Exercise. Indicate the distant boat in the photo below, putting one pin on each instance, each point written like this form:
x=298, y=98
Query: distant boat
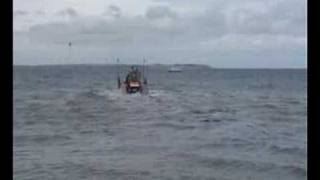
x=175, y=69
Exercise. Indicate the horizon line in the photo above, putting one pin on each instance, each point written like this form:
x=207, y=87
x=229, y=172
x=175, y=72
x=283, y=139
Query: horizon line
x=165, y=64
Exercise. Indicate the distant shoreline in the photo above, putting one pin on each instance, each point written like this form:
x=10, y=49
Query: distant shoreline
x=166, y=65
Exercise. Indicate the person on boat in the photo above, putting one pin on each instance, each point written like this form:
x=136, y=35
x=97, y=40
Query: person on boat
x=133, y=75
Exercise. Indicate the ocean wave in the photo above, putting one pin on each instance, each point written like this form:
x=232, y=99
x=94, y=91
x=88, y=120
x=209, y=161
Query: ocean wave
x=39, y=139
x=241, y=165
x=269, y=86
x=225, y=163
x=187, y=127
x=225, y=110
x=217, y=120
x=173, y=126
x=288, y=150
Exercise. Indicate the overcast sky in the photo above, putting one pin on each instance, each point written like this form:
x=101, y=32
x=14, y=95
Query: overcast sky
x=220, y=33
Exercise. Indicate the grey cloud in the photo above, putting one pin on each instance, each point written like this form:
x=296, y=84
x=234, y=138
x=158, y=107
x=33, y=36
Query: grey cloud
x=53, y=33
x=113, y=11
x=261, y=17
x=216, y=21
x=160, y=12
x=97, y=31
x=275, y=27
x=248, y=21
x=41, y=13
x=208, y=26
x=289, y=17
x=252, y=16
x=20, y=13
x=68, y=12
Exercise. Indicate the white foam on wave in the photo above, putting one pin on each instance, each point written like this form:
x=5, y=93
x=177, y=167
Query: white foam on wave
x=161, y=94
x=116, y=94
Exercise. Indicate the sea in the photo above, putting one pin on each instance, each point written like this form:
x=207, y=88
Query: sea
x=71, y=122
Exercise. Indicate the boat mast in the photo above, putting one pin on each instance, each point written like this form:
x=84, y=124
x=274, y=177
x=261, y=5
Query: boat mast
x=118, y=74
x=144, y=72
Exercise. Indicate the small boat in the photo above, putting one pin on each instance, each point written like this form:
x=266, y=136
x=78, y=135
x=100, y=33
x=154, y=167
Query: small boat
x=133, y=87
x=133, y=82
x=175, y=69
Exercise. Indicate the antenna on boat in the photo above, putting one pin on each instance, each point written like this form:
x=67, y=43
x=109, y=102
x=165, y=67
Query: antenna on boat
x=144, y=72
x=118, y=74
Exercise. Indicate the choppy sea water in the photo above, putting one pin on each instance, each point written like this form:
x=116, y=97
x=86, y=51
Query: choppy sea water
x=70, y=122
